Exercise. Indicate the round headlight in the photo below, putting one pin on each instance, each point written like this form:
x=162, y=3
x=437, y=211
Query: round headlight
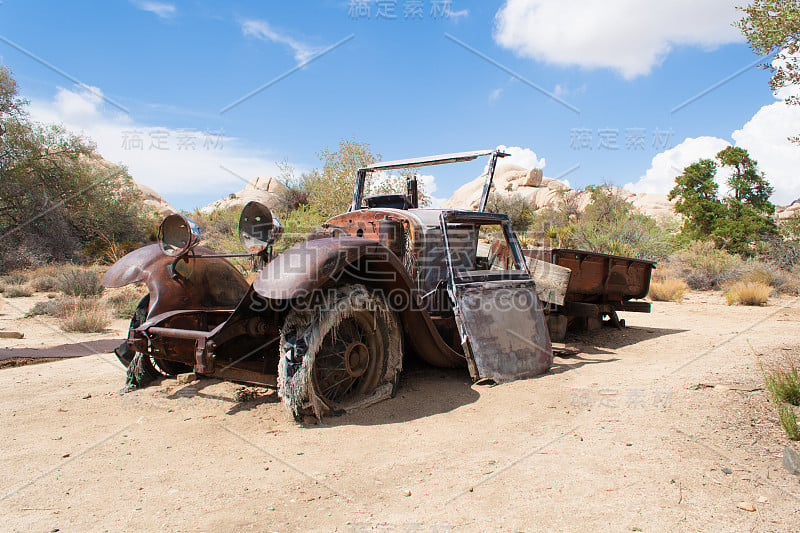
x=178, y=234
x=258, y=227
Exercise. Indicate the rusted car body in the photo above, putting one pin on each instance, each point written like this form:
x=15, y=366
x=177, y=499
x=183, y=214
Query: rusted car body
x=329, y=321
x=600, y=286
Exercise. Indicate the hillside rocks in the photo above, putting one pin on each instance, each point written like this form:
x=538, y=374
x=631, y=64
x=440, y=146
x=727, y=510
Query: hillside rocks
x=154, y=202
x=268, y=191
x=541, y=192
x=790, y=211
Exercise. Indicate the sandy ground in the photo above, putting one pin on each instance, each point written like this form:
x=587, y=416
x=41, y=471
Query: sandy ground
x=663, y=426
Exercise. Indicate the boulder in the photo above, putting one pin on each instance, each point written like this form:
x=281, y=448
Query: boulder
x=541, y=192
x=269, y=191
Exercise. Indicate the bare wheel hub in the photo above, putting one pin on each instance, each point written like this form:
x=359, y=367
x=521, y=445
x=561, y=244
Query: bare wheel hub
x=356, y=359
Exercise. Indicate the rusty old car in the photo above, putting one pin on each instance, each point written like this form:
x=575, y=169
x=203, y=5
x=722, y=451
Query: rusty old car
x=329, y=321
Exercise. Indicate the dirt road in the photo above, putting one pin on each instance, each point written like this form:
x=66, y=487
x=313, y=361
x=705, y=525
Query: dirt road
x=663, y=426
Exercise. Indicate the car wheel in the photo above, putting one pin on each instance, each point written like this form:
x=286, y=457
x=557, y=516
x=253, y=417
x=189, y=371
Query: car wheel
x=339, y=355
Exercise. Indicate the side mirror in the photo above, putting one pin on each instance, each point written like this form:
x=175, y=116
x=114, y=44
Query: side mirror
x=258, y=228
x=177, y=235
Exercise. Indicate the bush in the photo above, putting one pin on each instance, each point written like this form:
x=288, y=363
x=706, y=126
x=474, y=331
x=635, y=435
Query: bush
x=705, y=267
x=14, y=279
x=668, y=290
x=611, y=225
x=784, y=385
x=125, y=301
x=789, y=421
x=297, y=225
x=44, y=283
x=80, y=282
x=748, y=293
x=47, y=308
x=87, y=315
x=17, y=291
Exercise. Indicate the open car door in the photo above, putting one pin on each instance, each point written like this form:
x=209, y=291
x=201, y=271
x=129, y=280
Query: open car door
x=497, y=310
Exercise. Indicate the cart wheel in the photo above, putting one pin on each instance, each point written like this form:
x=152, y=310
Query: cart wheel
x=151, y=368
x=339, y=355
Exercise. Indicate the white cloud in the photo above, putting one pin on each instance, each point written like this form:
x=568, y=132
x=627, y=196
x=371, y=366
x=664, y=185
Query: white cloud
x=495, y=94
x=667, y=165
x=175, y=171
x=260, y=29
x=458, y=14
x=524, y=157
x=161, y=9
x=428, y=182
x=765, y=138
x=629, y=36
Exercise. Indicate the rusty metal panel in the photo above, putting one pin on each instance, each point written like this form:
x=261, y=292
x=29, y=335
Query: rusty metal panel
x=600, y=277
x=503, y=329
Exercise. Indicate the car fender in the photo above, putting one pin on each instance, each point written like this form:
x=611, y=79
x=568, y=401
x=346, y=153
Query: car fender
x=207, y=283
x=308, y=266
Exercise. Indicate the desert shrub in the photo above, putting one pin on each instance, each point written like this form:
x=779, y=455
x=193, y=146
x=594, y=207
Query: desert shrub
x=518, y=208
x=125, y=301
x=748, y=293
x=220, y=229
x=46, y=308
x=17, y=291
x=705, y=267
x=14, y=279
x=297, y=225
x=80, y=282
x=611, y=225
x=44, y=283
x=790, y=286
x=668, y=290
x=784, y=385
x=789, y=421
x=84, y=315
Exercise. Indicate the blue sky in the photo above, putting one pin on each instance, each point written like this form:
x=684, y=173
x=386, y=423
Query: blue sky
x=563, y=80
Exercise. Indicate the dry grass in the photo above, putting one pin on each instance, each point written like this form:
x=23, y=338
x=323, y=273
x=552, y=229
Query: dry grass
x=80, y=282
x=17, y=291
x=783, y=383
x=789, y=421
x=748, y=293
x=705, y=267
x=84, y=315
x=125, y=300
x=668, y=290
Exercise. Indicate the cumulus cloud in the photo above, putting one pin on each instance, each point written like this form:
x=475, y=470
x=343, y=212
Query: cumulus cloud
x=174, y=162
x=160, y=9
x=668, y=165
x=765, y=138
x=629, y=36
x=524, y=157
x=260, y=29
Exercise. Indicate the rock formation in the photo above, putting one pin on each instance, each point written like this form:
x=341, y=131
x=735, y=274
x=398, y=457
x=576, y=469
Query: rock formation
x=268, y=191
x=542, y=192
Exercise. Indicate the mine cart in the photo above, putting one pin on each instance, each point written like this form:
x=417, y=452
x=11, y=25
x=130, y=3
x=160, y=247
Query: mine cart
x=329, y=321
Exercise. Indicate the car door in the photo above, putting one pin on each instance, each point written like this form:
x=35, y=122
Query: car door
x=498, y=313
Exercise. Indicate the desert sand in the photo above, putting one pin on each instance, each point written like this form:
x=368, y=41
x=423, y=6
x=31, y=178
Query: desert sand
x=662, y=426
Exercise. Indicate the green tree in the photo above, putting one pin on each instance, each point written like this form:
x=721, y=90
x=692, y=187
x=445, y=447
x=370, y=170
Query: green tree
x=330, y=190
x=747, y=183
x=735, y=223
x=696, y=193
x=57, y=195
x=773, y=26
